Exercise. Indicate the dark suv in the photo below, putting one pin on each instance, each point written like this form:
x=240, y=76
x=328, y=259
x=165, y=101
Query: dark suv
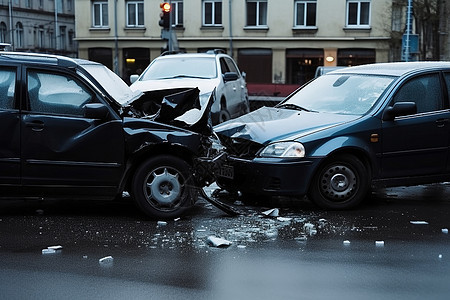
x=72, y=128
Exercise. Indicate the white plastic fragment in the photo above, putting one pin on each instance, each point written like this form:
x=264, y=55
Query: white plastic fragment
x=379, y=243
x=48, y=251
x=51, y=249
x=106, y=260
x=162, y=223
x=346, y=242
x=445, y=230
x=217, y=242
x=274, y=212
x=241, y=246
x=440, y=256
x=284, y=219
x=419, y=222
x=309, y=229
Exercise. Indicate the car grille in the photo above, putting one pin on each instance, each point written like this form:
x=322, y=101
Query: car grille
x=241, y=148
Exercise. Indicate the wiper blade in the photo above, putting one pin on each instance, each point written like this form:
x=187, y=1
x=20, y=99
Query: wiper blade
x=184, y=76
x=295, y=107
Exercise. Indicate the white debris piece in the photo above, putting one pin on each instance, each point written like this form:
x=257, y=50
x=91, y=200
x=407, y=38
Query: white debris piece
x=274, y=212
x=51, y=249
x=309, y=229
x=217, y=242
x=283, y=219
x=379, y=243
x=162, y=223
x=346, y=242
x=445, y=230
x=106, y=260
x=419, y=222
x=440, y=256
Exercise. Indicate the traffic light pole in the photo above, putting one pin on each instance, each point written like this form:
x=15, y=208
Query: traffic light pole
x=167, y=32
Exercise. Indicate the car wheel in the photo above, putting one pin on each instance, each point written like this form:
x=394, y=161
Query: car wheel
x=224, y=115
x=163, y=187
x=341, y=182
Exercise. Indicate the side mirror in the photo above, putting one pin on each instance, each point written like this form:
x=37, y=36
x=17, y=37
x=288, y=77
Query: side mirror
x=96, y=111
x=244, y=75
x=399, y=109
x=230, y=76
x=134, y=78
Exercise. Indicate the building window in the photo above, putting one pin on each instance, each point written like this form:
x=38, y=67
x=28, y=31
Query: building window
x=177, y=13
x=62, y=36
x=19, y=35
x=135, y=13
x=41, y=36
x=397, y=18
x=100, y=14
x=3, y=32
x=305, y=13
x=358, y=13
x=29, y=4
x=71, y=37
x=212, y=12
x=257, y=13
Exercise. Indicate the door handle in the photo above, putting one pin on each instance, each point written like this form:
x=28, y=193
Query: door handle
x=441, y=122
x=35, y=125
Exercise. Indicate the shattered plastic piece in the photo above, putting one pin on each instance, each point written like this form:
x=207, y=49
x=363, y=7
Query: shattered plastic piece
x=440, y=256
x=162, y=223
x=418, y=222
x=59, y=247
x=309, y=229
x=346, y=242
x=274, y=212
x=445, y=230
x=283, y=219
x=48, y=251
x=379, y=243
x=217, y=242
x=106, y=260
x=177, y=219
x=241, y=246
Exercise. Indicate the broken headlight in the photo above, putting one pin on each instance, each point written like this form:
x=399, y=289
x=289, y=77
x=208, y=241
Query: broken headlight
x=284, y=150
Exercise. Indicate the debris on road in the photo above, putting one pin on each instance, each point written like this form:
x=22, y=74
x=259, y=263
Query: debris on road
x=51, y=249
x=274, y=212
x=310, y=229
x=346, y=242
x=419, y=222
x=217, y=242
x=379, y=243
x=106, y=260
x=445, y=230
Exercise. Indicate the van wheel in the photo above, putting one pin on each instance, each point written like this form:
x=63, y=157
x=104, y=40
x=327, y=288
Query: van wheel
x=341, y=182
x=163, y=187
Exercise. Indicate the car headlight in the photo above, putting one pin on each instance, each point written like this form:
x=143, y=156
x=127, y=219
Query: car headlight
x=284, y=150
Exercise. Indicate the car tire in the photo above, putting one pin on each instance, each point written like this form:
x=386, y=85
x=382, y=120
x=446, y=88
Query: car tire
x=342, y=182
x=224, y=115
x=163, y=187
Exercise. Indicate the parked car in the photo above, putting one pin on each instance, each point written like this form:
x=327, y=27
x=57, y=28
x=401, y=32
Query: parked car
x=349, y=130
x=207, y=71
x=72, y=128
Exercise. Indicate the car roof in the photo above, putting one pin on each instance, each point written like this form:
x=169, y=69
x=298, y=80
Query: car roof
x=394, y=68
x=44, y=59
x=190, y=55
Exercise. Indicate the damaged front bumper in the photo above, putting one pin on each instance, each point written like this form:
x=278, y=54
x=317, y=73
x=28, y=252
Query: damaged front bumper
x=267, y=176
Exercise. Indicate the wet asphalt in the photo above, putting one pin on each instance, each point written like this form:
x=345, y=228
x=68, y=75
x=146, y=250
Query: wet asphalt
x=395, y=246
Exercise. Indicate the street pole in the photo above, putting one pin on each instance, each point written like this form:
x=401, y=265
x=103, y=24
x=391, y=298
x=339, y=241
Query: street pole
x=408, y=30
x=116, y=41
x=11, y=35
x=56, y=26
x=230, y=26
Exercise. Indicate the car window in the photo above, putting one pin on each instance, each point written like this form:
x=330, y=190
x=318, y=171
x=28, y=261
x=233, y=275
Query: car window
x=223, y=66
x=424, y=90
x=56, y=94
x=7, y=88
x=231, y=65
x=180, y=67
x=447, y=82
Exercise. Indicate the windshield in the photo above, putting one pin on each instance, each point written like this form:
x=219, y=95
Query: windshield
x=112, y=83
x=166, y=68
x=351, y=94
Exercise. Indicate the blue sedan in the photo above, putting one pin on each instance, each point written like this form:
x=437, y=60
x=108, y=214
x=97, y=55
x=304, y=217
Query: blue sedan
x=343, y=133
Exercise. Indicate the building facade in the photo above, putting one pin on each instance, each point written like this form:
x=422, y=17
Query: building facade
x=33, y=26
x=274, y=42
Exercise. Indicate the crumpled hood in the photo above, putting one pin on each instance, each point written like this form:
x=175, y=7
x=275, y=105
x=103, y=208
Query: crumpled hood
x=269, y=124
x=204, y=85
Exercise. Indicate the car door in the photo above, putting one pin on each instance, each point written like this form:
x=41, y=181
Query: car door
x=62, y=147
x=232, y=90
x=10, y=126
x=417, y=144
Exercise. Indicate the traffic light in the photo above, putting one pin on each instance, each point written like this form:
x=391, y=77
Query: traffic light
x=164, y=22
